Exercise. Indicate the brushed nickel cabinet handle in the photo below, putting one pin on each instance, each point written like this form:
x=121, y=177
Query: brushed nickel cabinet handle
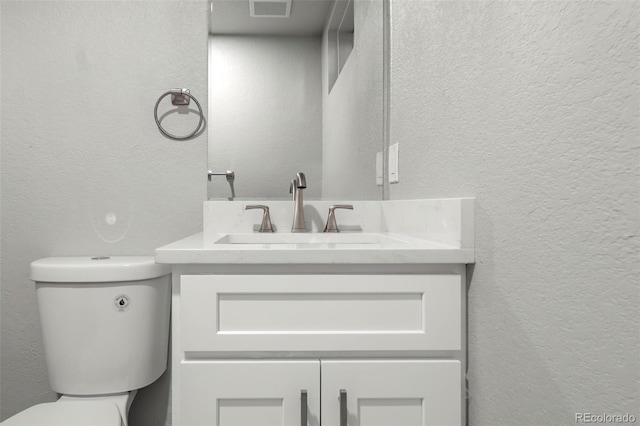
x=343, y=407
x=303, y=407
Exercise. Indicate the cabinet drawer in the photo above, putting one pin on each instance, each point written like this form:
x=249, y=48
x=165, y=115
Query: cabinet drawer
x=285, y=313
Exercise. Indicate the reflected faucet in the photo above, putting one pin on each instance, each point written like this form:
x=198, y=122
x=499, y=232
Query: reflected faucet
x=296, y=187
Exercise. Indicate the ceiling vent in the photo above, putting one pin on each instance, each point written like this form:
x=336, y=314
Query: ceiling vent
x=269, y=8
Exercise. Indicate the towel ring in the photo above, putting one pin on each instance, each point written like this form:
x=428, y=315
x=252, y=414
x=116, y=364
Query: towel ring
x=178, y=97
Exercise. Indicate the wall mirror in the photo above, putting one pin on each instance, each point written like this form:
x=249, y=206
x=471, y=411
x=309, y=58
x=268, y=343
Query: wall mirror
x=295, y=85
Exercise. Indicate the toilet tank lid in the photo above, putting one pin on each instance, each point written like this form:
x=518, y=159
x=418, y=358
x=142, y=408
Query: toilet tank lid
x=97, y=269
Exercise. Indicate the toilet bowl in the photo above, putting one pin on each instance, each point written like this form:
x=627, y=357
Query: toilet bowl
x=105, y=326
x=59, y=413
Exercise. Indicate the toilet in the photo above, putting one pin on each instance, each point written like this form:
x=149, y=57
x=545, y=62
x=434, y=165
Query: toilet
x=105, y=327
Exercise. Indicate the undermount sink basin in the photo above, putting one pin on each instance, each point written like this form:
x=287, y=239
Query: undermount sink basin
x=307, y=238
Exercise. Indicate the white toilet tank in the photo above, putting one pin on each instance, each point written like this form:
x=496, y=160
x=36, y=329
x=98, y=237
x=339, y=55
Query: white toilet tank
x=105, y=322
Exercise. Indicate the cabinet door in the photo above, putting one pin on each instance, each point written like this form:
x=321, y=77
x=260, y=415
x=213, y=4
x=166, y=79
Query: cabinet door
x=398, y=393
x=250, y=393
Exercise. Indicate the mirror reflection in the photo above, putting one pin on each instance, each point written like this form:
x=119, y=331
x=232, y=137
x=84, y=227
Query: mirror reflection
x=295, y=86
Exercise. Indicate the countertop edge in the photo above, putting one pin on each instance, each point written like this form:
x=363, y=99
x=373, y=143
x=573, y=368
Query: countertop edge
x=190, y=250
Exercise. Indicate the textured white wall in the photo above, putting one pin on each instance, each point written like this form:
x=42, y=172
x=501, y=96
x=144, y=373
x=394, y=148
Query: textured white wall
x=266, y=114
x=532, y=107
x=352, y=112
x=79, y=142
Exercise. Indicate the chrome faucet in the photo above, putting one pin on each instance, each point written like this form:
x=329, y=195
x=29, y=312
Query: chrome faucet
x=296, y=187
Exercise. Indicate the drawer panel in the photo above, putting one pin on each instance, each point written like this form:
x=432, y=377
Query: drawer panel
x=317, y=312
x=320, y=312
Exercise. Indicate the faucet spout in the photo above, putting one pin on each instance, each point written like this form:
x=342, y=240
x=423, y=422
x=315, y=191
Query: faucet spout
x=301, y=180
x=297, y=185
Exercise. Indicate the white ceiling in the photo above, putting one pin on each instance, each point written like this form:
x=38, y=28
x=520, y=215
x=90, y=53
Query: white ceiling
x=232, y=17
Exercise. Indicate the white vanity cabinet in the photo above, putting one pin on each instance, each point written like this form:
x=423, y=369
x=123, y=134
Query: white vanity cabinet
x=366, y=327
x=319, y=348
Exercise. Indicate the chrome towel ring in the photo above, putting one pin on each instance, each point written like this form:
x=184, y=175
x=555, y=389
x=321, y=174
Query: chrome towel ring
x=178, y=97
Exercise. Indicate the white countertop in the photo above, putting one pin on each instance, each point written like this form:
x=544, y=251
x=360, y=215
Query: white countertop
x=196, y=249
x=436, y=231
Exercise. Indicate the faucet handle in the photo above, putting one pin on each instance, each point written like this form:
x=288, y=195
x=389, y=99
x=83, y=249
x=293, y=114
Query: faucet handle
x=266, y=218
x=332, y=225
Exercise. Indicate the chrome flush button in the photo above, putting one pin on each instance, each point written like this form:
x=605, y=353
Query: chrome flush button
x=122, y=302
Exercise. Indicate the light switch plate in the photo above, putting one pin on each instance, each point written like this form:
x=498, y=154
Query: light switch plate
x=393, y=163
x=379, y=168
